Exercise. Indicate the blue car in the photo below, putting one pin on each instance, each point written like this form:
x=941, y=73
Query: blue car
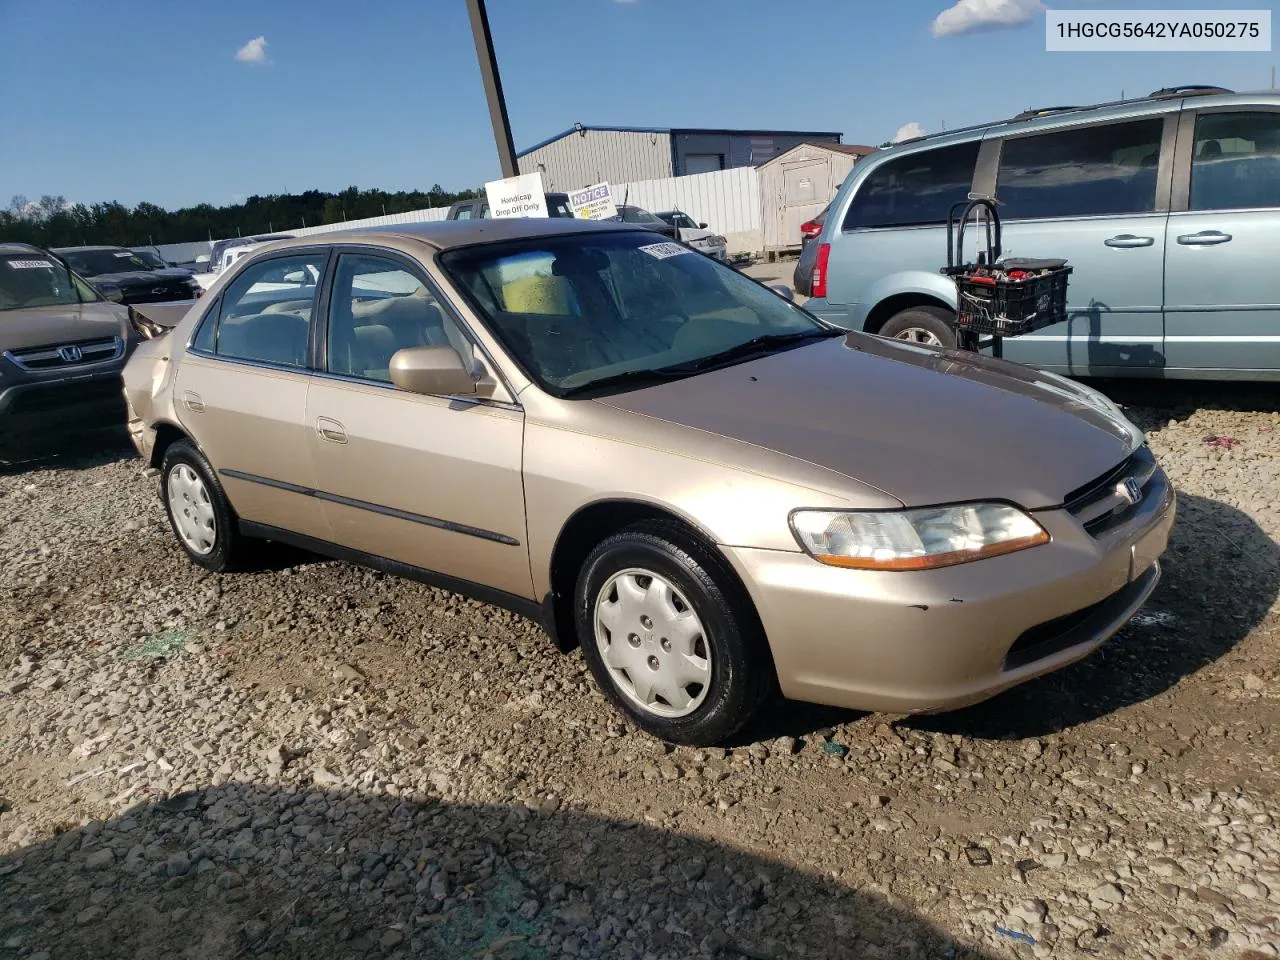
x=1167, y=207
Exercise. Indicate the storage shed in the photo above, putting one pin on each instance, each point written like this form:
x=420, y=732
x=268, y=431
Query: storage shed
x=797, y=184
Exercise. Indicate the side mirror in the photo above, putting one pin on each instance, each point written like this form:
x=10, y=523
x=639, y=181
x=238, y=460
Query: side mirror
x=702, y=226
x=782, y=290
x=435, y=371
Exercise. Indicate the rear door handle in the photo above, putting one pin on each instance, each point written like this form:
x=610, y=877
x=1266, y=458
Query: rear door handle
x=1129, y=240
x=1205, y=238
x=331, y=430
x=192, y=401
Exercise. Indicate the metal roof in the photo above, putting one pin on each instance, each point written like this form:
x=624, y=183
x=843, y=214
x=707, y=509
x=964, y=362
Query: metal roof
x=447, y=234
x=679, y=130
x=85, y=249
x=12, y=246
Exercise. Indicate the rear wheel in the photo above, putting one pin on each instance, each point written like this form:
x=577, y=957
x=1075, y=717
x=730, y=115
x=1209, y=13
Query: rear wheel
x=199, y=512
x=926, y=325
x=668, y=637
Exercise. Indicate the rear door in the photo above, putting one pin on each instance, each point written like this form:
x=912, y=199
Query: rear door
x=1097, y=196
x=1222, y=298
x=241, y=390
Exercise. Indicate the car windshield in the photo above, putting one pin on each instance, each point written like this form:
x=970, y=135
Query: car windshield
x=38, y=280
x=636, y=215
x=146, y=256
x=92, y=263
x=681, y=220
x=586, y=311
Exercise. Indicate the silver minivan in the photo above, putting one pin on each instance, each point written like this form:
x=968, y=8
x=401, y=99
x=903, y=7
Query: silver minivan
x=1168, y=208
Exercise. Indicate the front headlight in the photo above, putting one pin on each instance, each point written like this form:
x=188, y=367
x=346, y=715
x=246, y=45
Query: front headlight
x=145, y=328
x=919, y=539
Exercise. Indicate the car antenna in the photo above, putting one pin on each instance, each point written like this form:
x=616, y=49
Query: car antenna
x=622, y=217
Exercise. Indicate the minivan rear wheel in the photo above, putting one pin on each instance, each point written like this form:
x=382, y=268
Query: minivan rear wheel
x=930, y=326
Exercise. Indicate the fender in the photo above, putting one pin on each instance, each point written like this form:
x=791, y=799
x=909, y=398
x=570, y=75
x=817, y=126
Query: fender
x=922, y=282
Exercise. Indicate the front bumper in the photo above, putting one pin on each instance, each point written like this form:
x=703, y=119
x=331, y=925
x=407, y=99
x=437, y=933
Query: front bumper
x=935, y=640
x=62, y=403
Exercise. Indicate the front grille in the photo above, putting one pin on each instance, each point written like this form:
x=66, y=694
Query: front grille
x=158, y=294
x=1103, y=504
x=1062, y=633
x=67, y=355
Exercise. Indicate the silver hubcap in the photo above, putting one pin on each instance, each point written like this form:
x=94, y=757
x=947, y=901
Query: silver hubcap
x=192, y=510
x=652, y=643
x=918, y=335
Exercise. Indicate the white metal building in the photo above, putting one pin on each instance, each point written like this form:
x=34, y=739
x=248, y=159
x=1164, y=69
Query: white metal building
x=797, y=184
x=583, y=155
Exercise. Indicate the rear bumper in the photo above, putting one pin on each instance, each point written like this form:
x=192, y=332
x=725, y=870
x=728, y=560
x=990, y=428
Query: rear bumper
x=69, y=403
x=937, y=640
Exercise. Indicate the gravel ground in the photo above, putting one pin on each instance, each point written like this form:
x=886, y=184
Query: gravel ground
x=311, y=760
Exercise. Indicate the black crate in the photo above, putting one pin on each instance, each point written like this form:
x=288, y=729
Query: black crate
x=994, y=306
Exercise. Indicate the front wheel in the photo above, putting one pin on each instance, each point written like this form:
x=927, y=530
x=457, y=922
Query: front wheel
x=198, y=509
x=669, y=637
x=929, y=326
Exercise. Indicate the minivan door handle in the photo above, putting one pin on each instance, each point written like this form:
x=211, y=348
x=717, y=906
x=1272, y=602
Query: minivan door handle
x=1204, y=238
x=331, y=430
x=1129, y=240
x=192, y=401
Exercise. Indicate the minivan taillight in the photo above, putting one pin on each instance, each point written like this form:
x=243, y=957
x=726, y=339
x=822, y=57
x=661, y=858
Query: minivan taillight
x=810, y=229
x=818, y=286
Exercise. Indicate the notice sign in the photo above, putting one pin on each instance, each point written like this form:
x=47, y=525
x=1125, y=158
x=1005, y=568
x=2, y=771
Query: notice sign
x=593, y=203
x=520, y=196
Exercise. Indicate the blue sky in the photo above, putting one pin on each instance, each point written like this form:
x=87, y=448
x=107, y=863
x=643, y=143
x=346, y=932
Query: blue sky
x=135, y=100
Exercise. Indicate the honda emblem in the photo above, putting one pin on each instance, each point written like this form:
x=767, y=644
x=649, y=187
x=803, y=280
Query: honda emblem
x=1130, y=490
x=70, y=354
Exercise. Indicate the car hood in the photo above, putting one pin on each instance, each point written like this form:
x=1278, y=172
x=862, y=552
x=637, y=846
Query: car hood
x=54, y=326
x=137, y=278
x=925, y=426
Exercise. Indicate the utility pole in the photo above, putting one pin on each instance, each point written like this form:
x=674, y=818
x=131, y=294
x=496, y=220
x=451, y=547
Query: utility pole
x=493, y=87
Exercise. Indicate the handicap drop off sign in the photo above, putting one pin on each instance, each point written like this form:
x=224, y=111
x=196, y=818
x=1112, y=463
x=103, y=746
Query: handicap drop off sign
x=520, y=196
x=593, y=203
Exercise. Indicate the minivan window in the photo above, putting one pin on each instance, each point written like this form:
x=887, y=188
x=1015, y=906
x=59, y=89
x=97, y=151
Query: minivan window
x=1084, y=172
x=1236, y=163
x=266, y=311
x=915, y=189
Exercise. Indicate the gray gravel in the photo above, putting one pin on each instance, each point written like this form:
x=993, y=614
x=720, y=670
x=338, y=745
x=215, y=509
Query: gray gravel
x=313, y=760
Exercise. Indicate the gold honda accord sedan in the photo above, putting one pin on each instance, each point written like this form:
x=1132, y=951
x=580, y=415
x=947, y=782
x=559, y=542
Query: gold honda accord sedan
x=714, y=494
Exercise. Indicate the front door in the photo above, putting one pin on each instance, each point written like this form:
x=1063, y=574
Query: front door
x=1096, y=196
x=432, y=482
x=1222, y=298
x=241, y=391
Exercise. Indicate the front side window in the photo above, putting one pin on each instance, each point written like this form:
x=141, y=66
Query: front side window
x=267, y=311
x=378, y=307
x=464, y=213
x=1236, y=163
x=914, y=190
x=1086, y=172
x=38, y=280
x=584, y=311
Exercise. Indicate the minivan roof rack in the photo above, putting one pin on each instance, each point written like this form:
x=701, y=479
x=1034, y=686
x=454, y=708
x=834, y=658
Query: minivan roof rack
x=1188, y=90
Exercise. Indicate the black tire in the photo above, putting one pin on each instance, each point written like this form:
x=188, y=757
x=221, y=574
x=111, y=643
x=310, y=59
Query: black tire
x=228, y=545
x=938, y=321
x=742, y=674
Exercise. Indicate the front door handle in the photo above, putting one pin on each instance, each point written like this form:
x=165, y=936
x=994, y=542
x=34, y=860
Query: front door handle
x=331, y=430
x=192, y=401
x=1127, y=240
x=1205, y=238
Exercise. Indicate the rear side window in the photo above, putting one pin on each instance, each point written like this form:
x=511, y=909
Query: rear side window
x=1087, y=172
x=915, y=189
x=1236, y=163
x=266, y=312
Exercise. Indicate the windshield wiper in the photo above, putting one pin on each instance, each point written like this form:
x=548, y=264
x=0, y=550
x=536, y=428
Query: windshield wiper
x=630, y=378
x=759, y=344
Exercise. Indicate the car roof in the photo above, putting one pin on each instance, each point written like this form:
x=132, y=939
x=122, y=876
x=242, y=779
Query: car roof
x=11, y=246
x=447, y=234
x=83, y=249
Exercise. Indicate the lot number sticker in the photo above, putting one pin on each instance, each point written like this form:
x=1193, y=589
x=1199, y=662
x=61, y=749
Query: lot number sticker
x=660, y=251
x=30, y=264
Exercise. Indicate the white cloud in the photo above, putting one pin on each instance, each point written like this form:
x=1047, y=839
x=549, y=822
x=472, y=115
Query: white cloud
x=970, y=15
x=255, y=51
x=907, y=131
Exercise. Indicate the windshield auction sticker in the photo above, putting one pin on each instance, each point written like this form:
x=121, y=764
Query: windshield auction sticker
x=30, y=264
x=661, y=251
x=520, y=196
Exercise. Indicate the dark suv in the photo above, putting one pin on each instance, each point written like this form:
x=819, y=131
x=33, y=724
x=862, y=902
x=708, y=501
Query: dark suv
x=137, y=280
